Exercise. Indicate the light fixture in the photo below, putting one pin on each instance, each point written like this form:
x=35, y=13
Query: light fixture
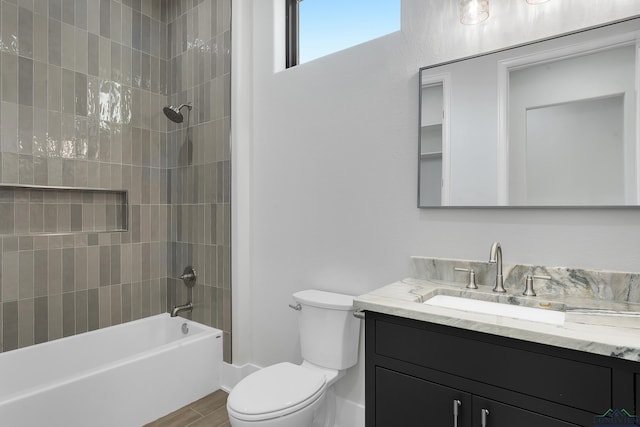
x=536, y=1
x=473, y=11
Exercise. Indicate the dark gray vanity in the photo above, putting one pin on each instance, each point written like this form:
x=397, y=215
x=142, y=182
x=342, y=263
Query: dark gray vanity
x=435, y=366
x=422, y=374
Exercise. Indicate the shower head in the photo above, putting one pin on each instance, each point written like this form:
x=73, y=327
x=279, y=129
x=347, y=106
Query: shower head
x=174, y=113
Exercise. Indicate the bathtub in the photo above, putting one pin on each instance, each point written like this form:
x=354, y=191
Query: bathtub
x=124, y=375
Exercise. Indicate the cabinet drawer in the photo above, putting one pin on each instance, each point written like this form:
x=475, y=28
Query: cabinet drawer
x=577, y=384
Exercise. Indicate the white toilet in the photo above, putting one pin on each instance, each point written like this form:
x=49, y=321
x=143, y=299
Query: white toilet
x=289, y=395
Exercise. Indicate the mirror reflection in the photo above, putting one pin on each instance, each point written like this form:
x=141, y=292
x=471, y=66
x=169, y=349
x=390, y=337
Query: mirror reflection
x=551, y=123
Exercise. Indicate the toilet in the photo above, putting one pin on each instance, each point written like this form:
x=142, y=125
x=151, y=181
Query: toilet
x=290, y=395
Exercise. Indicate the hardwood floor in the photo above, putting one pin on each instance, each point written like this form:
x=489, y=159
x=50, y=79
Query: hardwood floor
x=210, y=411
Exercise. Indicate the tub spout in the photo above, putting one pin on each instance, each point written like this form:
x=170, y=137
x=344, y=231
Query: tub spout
x=180, y=308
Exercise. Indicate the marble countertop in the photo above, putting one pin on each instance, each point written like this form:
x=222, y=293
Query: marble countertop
x=595, y=326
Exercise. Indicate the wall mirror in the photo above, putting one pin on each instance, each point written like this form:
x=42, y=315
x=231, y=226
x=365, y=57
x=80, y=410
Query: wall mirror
x=547, y=124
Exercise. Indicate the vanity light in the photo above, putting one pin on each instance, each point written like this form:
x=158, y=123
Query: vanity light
x=473, y=11
x=536, y=1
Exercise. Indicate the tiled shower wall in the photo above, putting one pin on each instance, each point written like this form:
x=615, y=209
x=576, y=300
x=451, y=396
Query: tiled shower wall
x=82, y=86
x=199, y=159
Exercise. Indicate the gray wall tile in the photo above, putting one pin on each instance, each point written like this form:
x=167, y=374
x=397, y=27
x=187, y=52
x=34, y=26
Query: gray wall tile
x=55, y=316
x=82, y=88
x=40, y=38
x=6, y=218
x=105, y=18
x=10, y=26
x=68, y=270
x=68, y=11
x=82, y=311
x=68, y=314
x=55, y=9
x=80, y=268
x=93, y=59
x=116, y=305
x=41, y=319
x=21, y=218
x=93, y=320
x=25, y=272
x=104, y=295
x=68, y=46
x=81, y=14
x=55, y=41
x=25, y=81
x=9, y=325
x=40, y=273
x=10, y=276
x=68, y=91
x=9, y=78
x=25, y=32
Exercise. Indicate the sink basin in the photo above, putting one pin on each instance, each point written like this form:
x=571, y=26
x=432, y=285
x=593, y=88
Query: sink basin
x=499, y=309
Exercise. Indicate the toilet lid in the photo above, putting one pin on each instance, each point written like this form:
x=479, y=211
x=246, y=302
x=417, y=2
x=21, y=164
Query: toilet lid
x=275, y=388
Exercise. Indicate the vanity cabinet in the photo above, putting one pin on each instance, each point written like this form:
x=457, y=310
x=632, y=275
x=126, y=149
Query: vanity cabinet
x=410, y=401
x=422, y=374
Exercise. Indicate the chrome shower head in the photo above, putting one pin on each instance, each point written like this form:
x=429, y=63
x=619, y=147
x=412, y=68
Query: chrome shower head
x=174, y=113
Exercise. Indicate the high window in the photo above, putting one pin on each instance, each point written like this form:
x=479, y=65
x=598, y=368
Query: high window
x=317, y=28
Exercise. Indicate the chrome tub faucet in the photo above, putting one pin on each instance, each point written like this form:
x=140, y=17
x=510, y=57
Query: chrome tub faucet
x=189, y=278
x=180, y=308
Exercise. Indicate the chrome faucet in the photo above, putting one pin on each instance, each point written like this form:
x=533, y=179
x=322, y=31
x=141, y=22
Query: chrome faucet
x=180, y=308
x=495, y=257
x=189, y=278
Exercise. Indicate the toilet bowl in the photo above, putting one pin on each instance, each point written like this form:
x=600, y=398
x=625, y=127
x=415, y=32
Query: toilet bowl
x=283, y=395
x=289, y=395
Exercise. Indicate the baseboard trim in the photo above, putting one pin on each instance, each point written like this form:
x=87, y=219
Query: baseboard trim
x=349, y=414
x=230, y=375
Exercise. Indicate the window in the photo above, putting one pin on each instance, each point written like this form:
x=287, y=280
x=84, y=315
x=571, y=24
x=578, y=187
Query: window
x=317, y=28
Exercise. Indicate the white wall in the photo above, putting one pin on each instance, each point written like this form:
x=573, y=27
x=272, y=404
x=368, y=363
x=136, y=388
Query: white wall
x=328, y=169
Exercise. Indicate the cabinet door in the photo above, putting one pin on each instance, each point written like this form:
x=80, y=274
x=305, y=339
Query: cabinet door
x=501, y=415
x=403, y=400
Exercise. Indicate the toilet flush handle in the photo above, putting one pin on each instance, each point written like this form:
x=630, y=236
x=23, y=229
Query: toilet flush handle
x=296, y=307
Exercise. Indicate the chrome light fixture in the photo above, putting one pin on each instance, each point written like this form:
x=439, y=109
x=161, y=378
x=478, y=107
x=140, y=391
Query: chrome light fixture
x=474, y=11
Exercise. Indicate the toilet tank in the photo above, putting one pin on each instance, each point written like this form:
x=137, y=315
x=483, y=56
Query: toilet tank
x=329, y=333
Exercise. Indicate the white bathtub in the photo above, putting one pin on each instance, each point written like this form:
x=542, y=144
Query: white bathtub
x=125, y=375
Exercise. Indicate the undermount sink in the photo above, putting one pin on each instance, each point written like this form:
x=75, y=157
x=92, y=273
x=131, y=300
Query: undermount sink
x=499, y=309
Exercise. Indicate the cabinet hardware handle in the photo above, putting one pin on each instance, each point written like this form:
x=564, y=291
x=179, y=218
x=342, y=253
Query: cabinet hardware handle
x=456, y=406
x=483, y=417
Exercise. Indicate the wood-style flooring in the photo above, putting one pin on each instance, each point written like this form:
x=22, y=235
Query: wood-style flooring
x=210, y=411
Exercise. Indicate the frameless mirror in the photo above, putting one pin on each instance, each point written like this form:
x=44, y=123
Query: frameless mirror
x=551, y=123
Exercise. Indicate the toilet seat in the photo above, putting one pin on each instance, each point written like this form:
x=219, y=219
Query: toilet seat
x=275, y=391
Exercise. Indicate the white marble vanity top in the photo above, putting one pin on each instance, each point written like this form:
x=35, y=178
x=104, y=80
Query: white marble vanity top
x=595, y=326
